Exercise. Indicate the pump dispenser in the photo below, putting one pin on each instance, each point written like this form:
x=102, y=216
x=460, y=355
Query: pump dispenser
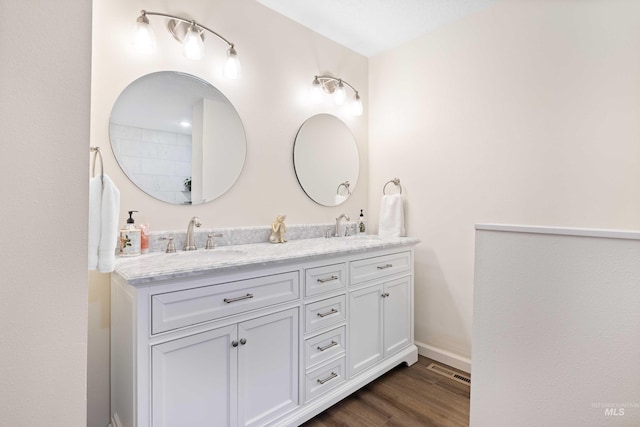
x=362, y=223
x=130, y=238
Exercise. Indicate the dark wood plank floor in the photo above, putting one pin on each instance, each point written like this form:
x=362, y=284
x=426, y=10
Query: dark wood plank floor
x=405, y=396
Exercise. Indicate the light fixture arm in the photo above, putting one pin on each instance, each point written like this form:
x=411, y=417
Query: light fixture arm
x=323, y=79
x=187, y=21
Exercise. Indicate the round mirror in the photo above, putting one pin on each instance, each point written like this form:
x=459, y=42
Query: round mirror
x=326, y=160
x=177, y=138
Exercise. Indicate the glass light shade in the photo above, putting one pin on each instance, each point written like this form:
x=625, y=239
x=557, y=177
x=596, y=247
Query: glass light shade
x=340, y=94
x=192, y=45
x=316, y=92
x=144, y=40
x=232, y=69
x=356, y=107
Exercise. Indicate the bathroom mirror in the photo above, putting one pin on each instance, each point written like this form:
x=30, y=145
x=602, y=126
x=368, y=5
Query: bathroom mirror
x=177, y=138
x=326, y=160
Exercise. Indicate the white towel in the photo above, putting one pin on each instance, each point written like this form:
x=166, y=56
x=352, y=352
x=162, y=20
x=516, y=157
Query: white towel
x=95, y=206
x=104, y=208
x=391, y=216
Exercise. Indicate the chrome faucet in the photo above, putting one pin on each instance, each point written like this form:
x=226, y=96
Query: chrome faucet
x=337, y=232
x=190, y=241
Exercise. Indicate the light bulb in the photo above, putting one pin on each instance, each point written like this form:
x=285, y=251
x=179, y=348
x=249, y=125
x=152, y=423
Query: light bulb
x=232, y=69
x=144, y=40
x=192, y=45
x=316, y=91
x=340, y=94
x=356, y=107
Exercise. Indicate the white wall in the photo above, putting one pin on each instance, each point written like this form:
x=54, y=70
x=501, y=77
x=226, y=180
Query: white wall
x=279, y=59
x=44, y=109
x=526, y=112
x=556, y=330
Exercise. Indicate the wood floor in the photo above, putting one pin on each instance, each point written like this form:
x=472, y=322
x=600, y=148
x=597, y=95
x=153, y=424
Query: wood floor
x=405, y=396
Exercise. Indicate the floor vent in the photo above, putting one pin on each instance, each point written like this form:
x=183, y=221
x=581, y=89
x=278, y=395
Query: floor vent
x=449, y=374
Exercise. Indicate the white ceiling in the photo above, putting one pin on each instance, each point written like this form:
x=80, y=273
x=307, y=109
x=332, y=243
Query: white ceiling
x=372, y=26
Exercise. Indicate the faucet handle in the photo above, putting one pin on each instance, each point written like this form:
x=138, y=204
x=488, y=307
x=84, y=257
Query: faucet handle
x=171, y=247
x=210, y=244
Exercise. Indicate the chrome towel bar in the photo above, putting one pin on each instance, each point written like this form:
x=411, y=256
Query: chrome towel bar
x=395, y=181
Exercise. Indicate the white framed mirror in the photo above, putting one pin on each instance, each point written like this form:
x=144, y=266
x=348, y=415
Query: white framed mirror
x=326, y=159
x=177, y=138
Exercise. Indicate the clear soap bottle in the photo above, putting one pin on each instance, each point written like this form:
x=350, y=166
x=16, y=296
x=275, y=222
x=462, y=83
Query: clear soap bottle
x=130, y=238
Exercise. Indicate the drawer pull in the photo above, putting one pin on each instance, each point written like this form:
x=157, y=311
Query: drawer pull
x=328, y=346
x=329, y=378
x=328, y=279
x=328, y=313
x=230, y=300
x=382, y=267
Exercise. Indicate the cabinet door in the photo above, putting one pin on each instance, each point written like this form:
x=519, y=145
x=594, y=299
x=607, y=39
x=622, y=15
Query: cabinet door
x=365, y=328
x=267, y=367
x=397, y=315
x=194, y=380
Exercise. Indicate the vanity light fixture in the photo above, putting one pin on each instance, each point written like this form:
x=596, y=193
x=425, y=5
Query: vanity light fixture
x=336, y=87
x=189, y=33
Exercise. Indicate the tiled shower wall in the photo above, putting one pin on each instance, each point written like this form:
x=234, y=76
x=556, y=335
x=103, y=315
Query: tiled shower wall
x=157, y=162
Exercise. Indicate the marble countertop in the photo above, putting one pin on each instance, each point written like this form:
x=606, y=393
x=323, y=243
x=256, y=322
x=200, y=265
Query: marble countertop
x=159, y=266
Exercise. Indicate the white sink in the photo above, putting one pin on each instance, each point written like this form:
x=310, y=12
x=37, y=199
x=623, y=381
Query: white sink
x=361, y=238
x=194, y=258
x=209, y=254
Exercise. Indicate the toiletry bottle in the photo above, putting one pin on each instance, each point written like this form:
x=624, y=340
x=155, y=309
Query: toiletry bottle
x=144, y=238
x=362, y=224
x=130, y=238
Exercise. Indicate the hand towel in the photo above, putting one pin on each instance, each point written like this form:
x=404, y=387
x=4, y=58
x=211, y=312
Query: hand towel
x=110, y=209
x=391, y=216
x=95, y=206
x=104, y=208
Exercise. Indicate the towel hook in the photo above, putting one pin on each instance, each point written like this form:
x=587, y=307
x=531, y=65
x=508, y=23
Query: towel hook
x=346, y=185
x=97, y=153
x=395, y=181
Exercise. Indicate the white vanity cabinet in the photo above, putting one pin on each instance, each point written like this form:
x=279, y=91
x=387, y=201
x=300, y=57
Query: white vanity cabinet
x=201, y=379
x=379, y=322
x=380, y=309
x=257, y=345
x=209, y=351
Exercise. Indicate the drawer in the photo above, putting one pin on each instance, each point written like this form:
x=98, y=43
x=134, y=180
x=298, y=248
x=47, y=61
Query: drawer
x=366, y=269
x=324, y=379
x=325, y=279
x=183, y=308
x=323, y=347
x=324, y=313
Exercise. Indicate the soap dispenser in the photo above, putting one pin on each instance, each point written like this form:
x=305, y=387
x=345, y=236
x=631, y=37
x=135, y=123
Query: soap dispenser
x=362, y=223
x=130, y=238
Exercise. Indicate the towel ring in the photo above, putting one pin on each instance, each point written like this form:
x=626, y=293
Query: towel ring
x=395, y=181
x=346, y=185
x=97, y=154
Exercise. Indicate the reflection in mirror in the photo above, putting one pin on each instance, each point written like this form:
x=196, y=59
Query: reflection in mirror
x=326, y=160
x=177, y=138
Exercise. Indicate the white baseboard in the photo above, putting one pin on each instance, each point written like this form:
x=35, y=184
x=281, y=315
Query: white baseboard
x=444, y=356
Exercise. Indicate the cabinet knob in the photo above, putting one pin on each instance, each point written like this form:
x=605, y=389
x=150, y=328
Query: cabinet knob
x=385, y=294
x=243, y=341
x=234, y=343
